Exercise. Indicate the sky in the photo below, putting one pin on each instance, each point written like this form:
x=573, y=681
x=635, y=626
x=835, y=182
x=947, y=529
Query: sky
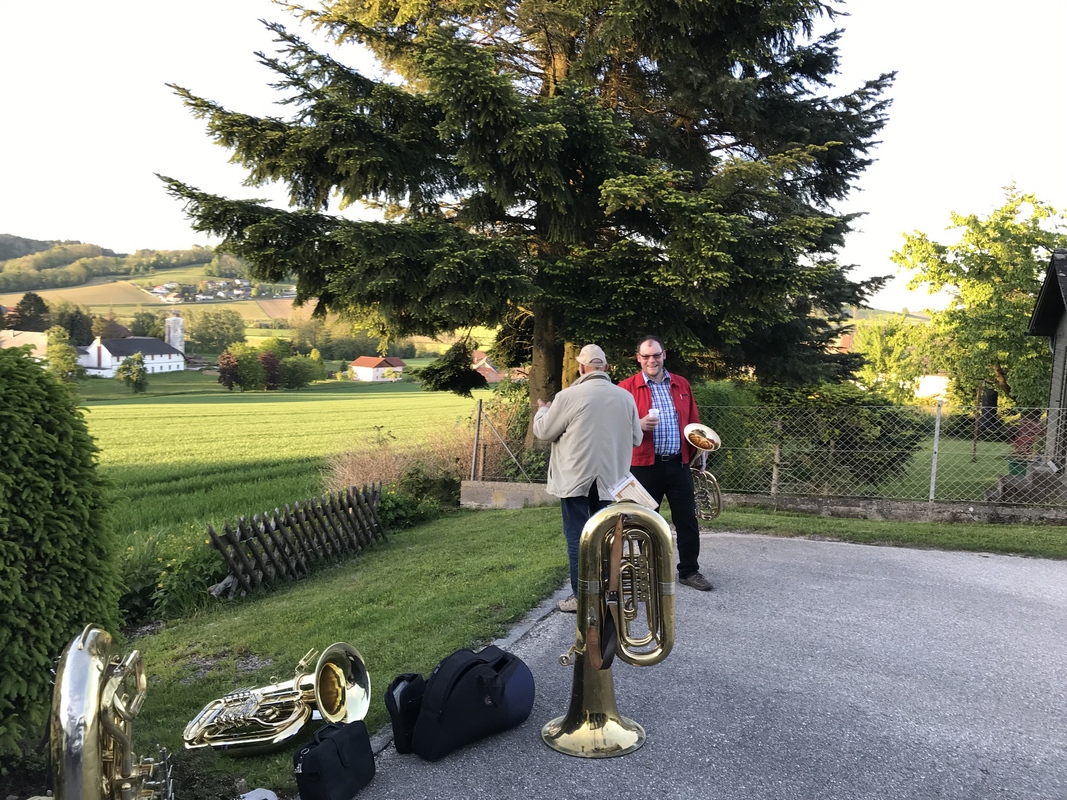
x=88, y=119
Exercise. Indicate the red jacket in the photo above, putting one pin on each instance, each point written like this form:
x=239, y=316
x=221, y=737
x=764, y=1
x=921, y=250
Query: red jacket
x=644, y=454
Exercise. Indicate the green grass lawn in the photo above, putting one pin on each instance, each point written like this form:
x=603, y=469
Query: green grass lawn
x=964, y=471
x=189, y=453
x=460, y=581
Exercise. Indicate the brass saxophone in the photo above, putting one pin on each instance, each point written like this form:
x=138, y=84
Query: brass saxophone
x=257, y=720
x=625, y=594
x=97, y=694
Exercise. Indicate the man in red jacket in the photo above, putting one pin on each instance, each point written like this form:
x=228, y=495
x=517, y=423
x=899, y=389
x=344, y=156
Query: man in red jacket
x=661, y=462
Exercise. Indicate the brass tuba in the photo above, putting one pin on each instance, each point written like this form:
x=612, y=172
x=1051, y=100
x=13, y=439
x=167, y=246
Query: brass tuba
x=707, y=492
x=255, y=720
x=91, y=718
x=625, y=585
x=705, y=486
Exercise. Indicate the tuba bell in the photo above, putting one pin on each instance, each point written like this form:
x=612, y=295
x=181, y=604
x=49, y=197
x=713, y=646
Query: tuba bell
x=625, y=609
x=256, y=720
x=96, y=696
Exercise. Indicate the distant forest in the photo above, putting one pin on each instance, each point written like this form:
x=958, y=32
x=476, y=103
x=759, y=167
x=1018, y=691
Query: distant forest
x=29, y=265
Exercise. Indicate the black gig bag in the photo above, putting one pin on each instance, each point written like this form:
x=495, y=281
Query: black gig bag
x=403, y=700
x=336, y=765
x=469, y=696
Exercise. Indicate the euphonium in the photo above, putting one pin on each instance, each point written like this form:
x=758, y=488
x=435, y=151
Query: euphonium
x=91, y=719
x=705, y=486
x=635, y=597
x=707, y=492
x=253, y=720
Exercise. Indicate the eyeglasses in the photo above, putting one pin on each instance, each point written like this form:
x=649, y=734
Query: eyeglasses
x=656, y=356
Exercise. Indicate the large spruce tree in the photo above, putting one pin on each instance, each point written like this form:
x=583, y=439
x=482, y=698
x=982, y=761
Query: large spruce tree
x=582, y=171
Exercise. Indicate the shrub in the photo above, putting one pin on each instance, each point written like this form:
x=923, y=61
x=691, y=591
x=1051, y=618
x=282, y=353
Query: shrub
x=167, y=577
x=60, y=558
x=142, y=562
x=189, y=570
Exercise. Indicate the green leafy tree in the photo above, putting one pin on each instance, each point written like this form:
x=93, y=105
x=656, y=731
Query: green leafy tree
x=216, y=330
x=60, y=557
x=452, y=371
x=62, y=357
x=146, y=323
x=250, y=373
x=300, y=371
x=76, y=320
x=132, y=372
x=108, y=327
x=992, y=275
x=282, y=348
x=32, y=313
x=638, y=166
x=897, y=353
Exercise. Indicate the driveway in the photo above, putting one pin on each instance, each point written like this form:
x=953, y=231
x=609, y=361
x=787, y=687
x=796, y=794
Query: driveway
x=816, y=669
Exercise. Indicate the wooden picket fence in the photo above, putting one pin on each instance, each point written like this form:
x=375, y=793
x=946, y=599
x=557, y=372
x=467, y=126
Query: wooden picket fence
x=286, y=545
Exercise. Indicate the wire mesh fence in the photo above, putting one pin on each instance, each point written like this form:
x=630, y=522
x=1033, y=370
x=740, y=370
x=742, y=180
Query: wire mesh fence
x=872, y=452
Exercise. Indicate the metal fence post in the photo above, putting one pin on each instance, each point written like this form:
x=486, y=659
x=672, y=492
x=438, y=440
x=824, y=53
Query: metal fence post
x=933, y=460
x=477, y=431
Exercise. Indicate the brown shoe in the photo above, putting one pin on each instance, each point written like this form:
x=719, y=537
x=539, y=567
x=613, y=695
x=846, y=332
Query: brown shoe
x=696, y=581
x=570, y=605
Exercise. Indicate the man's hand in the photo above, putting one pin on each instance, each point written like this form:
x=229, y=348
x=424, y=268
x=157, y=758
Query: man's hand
x=649, y=423
x=542, y=404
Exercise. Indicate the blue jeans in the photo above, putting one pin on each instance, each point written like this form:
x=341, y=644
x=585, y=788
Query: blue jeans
x=576, y=512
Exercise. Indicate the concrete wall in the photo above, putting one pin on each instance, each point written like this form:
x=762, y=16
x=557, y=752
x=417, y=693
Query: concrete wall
x=490, y=494
x=495, y=494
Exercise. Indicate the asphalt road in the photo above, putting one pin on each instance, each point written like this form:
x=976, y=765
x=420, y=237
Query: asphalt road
x=815, y=669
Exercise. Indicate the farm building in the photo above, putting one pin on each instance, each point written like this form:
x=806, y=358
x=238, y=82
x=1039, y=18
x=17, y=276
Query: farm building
x=492, y=374
x=104, y=356
x=1049, y=319
x=377, y=368
x=37, y=341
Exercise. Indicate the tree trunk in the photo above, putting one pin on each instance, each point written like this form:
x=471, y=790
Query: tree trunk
x=546, y=369
x=570, y=364
x=1001, y=379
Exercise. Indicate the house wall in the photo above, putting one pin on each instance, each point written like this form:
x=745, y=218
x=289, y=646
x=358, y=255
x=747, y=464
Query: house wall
x=1056, y=441
x=101, y=363
x=375, y=373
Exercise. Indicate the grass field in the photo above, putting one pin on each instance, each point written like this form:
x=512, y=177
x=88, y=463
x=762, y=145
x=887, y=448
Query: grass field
x=122, y=296
x=103, y=296
x=189, y=453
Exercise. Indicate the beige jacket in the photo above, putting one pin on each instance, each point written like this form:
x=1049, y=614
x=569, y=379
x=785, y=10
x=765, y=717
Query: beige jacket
x=593, y=427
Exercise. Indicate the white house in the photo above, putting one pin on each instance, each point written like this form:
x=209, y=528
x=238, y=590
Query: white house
x=104, y=356
x=374, y=368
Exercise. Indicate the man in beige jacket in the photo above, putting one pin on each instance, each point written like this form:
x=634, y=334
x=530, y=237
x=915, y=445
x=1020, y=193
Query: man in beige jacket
x=587, y=424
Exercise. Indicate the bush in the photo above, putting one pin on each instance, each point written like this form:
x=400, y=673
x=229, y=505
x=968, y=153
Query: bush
x=189, y=570
x=60, y=557
x=167, y=577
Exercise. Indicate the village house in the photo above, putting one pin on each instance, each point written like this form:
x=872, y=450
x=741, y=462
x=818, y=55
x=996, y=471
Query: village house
x=377, y=368
x=487, y=369
x=37, y=341
x=103, y=357
x=1049, y=319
